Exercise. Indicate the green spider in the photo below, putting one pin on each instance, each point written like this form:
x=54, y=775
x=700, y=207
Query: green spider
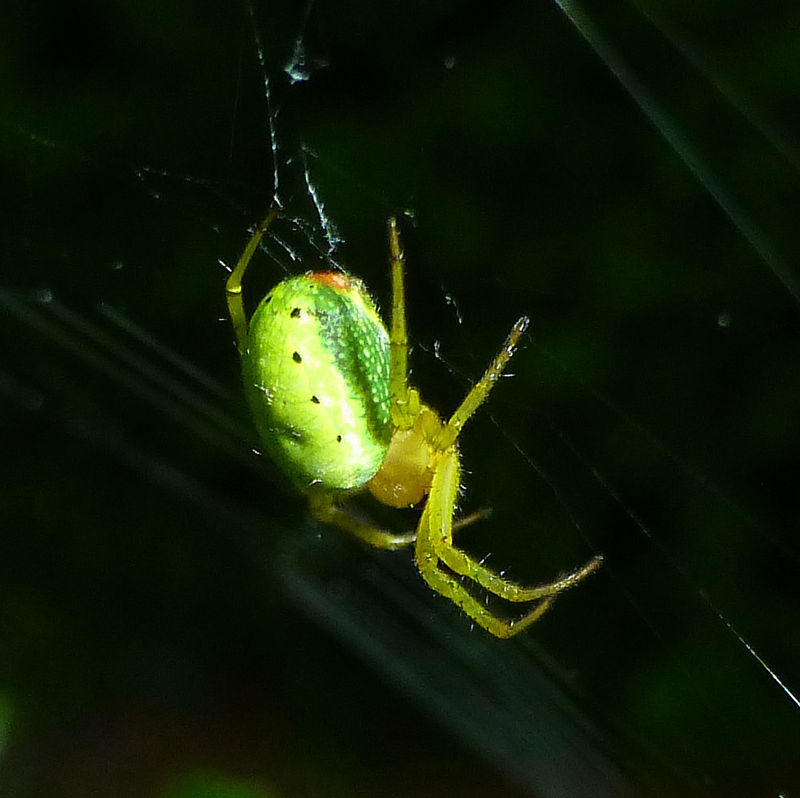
x=328, y=388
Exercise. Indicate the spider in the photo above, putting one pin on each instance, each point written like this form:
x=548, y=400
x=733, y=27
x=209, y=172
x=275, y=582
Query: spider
x=328, y=388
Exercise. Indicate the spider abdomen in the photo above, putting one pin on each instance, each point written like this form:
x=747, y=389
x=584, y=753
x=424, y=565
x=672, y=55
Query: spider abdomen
x=317, y=375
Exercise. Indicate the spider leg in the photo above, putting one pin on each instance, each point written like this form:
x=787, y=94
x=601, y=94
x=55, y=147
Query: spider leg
x=466, y=520
x=325, y=509
x=435, y=547
x=233, y=287
x=450, y=587
x=480, y=391
x=464, y=565
x=405, y=400
x=434, y=537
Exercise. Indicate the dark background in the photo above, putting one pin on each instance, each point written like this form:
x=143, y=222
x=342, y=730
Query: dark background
x=172, y=622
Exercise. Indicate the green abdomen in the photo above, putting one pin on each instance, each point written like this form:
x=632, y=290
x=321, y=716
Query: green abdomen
x=317, y=376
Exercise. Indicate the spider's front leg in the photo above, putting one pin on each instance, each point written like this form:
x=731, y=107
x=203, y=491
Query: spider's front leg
x=435, y=547
x=434, y=536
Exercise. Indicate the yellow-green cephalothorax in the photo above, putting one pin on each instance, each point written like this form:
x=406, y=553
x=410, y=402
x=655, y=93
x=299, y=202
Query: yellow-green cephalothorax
x=316, y=372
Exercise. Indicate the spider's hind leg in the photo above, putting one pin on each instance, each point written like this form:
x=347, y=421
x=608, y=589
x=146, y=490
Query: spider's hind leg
x=325, y=508
x=468, y=520
x=233, y=286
